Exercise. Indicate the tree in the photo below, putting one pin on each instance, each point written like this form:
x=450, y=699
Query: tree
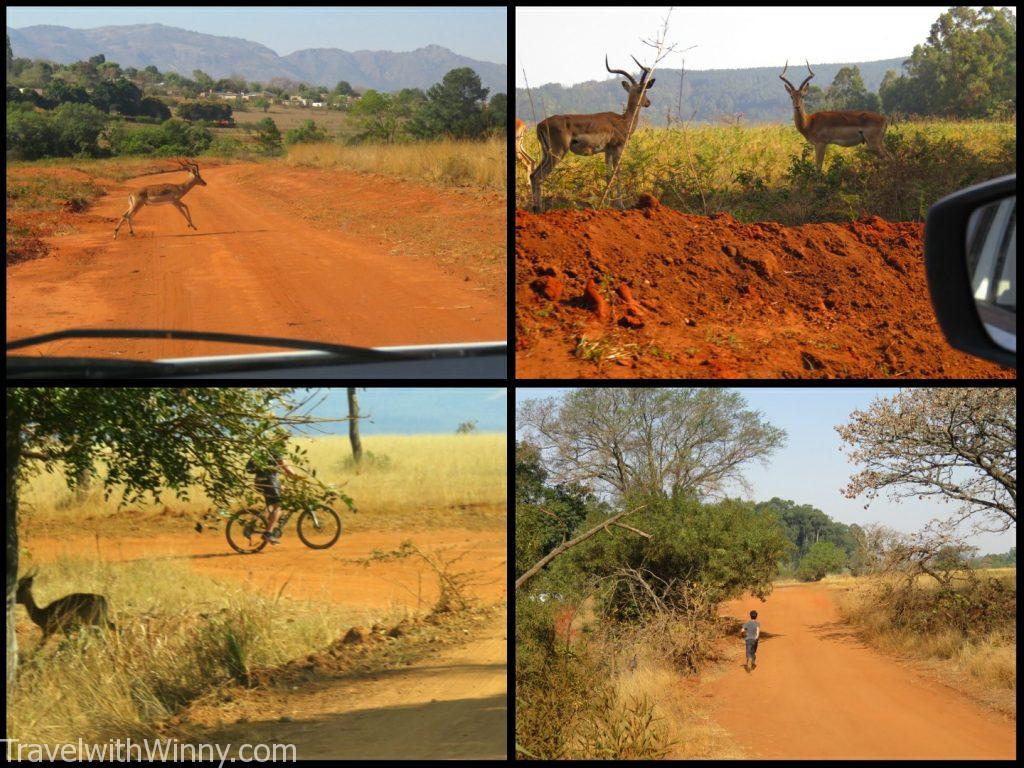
x=968, y=65
x=268, y=137
x=353, y=426
x=10, y=56
x=672, y=442
x=153, y=107
x=203, y=80
x=121, y=95
x=343, y=89
x=823, y=557
x=140, y=443
x=496, y=116
x=78, y=129
x=956, y=444
x=466, y=428
x=848, y=91
x=454, y=107
x=59, y=92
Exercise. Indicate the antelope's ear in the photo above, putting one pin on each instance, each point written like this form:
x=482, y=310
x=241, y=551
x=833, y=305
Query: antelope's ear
x=625, y=85
x=650, y=83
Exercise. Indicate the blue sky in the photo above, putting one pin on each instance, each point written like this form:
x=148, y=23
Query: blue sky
x=480, y=33
x=811, y=470
x=410, y=411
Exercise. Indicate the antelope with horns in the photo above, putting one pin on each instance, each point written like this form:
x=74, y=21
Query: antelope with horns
x=157, y=194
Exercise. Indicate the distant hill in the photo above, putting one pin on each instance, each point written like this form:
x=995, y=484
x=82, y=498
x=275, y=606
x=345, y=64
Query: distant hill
x=708, y=96
x=171, y=49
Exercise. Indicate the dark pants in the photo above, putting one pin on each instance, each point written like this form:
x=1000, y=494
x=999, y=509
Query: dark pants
x=752, y=650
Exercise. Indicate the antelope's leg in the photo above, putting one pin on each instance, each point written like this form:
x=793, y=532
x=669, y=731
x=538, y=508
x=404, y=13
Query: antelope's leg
x=819, y=155
x=184, y=212
x=133, y=206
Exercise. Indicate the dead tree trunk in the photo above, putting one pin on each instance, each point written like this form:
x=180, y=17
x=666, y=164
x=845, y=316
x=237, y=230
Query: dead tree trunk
x=353, y=426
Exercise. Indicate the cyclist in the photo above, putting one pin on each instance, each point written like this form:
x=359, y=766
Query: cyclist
x=266, y=468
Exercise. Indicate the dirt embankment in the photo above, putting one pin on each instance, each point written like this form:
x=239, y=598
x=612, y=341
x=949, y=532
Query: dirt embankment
x=279, y=251
x=819, y=693
x=657, y=293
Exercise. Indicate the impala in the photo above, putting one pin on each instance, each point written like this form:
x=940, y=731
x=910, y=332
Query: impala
x=847, y=128
x=589, y=134
x=158, y=194
x=520, y=153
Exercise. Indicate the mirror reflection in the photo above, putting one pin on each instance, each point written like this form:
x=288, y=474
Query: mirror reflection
x=992, y=266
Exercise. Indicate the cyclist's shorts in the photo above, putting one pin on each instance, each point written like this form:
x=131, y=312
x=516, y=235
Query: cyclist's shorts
x=271, y=492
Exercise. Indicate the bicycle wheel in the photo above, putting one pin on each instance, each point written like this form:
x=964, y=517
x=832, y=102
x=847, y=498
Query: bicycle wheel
x=245, y=531
x=319, y=528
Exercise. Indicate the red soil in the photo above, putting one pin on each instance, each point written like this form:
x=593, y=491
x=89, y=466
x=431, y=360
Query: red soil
x=676, y=295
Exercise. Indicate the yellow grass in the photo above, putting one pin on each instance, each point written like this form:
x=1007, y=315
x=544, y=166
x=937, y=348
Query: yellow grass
x=447, y=163
x=436, y=480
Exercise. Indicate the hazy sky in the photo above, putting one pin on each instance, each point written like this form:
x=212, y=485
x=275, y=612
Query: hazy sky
x=811, y=470
x=410, y=410
x=568, y=45
x=480, y=33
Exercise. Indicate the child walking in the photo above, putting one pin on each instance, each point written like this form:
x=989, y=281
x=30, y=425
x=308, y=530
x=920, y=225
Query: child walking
x=751, y=632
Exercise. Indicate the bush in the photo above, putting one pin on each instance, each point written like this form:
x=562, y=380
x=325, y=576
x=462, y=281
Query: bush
x=173, y=137
x=71, y=129
x=268, y=137
x=30, y=134
x=823, y=557
x=307, y=133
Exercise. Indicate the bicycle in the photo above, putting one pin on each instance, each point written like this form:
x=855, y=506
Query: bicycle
x=318, y=526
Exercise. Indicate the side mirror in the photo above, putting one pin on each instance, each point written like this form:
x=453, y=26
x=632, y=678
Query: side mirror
x=970, y=251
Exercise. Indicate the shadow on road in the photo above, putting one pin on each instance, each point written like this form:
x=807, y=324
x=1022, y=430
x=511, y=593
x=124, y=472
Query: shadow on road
x=836, y=630
x=460, y=728
x=208, y=234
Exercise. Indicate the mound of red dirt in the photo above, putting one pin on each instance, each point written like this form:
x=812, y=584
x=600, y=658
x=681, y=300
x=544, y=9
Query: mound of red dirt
x=657, y=293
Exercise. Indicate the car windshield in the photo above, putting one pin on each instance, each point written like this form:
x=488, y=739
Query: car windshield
x=363, y=207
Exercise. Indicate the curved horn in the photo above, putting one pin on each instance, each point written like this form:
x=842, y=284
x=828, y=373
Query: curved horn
x=646, y=71
x=782, y=77
x=618, y=71
x=808, y=78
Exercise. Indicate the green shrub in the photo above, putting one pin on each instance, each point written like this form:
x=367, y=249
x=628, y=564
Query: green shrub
x=307, y=133
x=823, y=557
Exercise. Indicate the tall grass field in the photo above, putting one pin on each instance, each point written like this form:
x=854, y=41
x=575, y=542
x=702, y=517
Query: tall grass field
x=767, y=172
x=403, y=481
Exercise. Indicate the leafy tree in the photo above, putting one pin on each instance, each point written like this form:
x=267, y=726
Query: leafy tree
x=268, y=137
x=60, y=92
x=78, y=128
x=454, y=107
x=651, y=441
x=466, y=428
x=121, y=95
x=30, y=134
x=848, y=92
x=343, y=89
x=204, y=110
x=496, y=116
x=957, y=444
x=968, y=65
x=203, y=80
x=727, y=547
x=138, y=442
x=10, y=56
x=823, y=557
x=153, y=107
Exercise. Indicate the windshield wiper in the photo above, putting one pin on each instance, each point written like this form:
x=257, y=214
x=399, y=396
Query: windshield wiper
x=308, y=353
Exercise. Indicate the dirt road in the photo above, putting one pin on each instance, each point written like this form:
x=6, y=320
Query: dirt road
x=332, y=576
x=452, y=705
x=819, y=693
x=279, y=251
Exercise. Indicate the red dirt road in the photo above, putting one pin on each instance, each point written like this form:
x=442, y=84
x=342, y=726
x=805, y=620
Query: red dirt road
x=330, y=576
x=819, y=693
x=279, y=251
x=710, y=297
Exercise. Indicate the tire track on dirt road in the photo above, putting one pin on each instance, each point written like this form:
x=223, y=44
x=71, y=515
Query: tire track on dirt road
x=819, y=693
x=255, y=266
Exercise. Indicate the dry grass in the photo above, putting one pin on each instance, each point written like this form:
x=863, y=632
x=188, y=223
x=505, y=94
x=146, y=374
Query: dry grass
x=981, y=662
x=688, y=730
x=446, y=163
x=178, y=635
x=403, y=482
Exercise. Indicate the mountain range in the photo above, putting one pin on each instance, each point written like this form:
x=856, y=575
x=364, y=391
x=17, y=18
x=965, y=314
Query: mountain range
x=706, y=96
x=172, y=49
